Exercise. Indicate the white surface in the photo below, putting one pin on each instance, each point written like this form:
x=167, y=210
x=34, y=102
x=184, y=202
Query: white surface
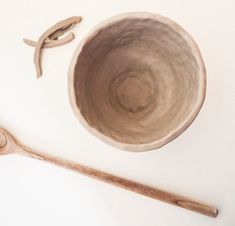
x=199, y=164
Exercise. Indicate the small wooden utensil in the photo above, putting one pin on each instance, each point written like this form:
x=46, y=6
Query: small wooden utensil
x=9, y=145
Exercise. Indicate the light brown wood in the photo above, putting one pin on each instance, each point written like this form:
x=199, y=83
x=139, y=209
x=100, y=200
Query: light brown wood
x=52, y=43
x=137, y=81
x=9, y=145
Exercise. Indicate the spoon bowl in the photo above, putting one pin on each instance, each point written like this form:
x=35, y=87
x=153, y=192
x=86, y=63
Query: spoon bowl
x=5, y=140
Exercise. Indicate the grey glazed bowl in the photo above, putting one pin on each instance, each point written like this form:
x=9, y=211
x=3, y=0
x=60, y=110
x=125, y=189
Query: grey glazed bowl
x=137, y=81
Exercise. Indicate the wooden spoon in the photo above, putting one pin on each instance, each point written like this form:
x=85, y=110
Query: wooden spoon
x=9, y=145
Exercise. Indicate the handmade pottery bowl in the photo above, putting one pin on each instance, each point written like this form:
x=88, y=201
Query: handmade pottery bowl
x=137, y=81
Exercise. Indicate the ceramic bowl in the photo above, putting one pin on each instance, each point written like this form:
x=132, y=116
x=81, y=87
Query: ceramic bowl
x=137, y=81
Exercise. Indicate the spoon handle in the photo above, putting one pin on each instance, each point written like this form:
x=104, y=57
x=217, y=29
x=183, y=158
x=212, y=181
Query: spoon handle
x=129, y=185
x=8, y=145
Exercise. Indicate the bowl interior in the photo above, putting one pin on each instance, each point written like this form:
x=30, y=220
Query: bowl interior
x=136, y=80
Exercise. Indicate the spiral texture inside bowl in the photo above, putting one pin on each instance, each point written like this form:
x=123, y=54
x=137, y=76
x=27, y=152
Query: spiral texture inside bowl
x=136, y=80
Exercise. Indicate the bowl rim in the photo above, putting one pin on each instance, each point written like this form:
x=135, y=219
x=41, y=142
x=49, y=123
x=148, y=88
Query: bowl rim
x=180, y=128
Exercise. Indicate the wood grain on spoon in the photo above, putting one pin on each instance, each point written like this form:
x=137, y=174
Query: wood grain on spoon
x=8, y=145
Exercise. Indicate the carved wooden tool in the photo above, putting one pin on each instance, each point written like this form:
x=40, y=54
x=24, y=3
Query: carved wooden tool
x=9, y=145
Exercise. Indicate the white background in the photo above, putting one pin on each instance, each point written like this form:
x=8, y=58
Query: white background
x=200, y=164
